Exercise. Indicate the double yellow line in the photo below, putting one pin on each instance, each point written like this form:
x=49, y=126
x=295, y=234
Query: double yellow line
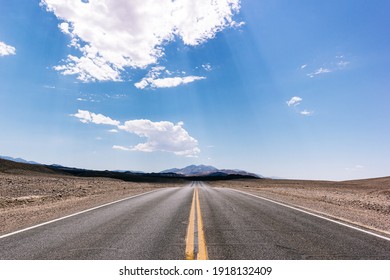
x=195, y=243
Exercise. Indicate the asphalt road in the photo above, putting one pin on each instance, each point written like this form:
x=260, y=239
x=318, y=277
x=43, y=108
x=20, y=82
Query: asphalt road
x=214, y=223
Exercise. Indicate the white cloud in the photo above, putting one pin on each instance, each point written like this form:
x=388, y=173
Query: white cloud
x=339, y=62
x=64, y=27
x=237, y=24
x=319, y=72
x=90, y=67
x=207, y=67
x=294, y=101
x=161, y=136
x=6, y=49
x=306, y=113
x=175, y=81
x=153, y=80
x=132, y=34
x=167, y=82
x=96, y=98
x=113, y=131
x=342, y=63
x=88, y=117
x=144, y=83
x=121, y=148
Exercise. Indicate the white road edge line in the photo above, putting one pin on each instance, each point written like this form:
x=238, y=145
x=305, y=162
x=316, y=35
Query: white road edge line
x=74, y=214
x=315, y=215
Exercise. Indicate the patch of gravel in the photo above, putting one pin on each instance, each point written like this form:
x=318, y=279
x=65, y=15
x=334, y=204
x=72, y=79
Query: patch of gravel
x=365, y=203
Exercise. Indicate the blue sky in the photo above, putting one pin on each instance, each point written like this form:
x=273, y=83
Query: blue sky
x=293, y=89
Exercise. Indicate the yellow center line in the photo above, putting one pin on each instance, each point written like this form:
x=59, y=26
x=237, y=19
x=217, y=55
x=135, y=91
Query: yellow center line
x=195, y=214
x=190, y=240
x=202, y=250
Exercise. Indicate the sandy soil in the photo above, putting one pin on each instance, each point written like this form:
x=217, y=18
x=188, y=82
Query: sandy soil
x=364, y=203
x=29, y=199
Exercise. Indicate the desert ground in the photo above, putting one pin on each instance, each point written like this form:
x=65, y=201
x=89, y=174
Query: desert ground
x=33, y=195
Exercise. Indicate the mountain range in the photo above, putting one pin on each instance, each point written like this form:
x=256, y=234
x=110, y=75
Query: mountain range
x=18, y=160
x=189, y=171
x=207, y=170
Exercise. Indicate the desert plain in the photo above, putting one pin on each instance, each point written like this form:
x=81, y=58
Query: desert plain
x=30, y=195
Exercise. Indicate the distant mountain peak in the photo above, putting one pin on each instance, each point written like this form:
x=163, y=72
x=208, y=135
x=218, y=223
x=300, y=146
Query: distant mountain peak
x=20, y=160
x=205, y=170
x=192, y=170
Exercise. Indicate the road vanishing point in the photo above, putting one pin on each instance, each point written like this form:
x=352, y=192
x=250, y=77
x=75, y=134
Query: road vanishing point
x=193, y=222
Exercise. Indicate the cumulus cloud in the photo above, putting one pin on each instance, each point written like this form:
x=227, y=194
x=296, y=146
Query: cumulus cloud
x=133, y=33
x=161, y=136
x=6, y=49
x=294, y=101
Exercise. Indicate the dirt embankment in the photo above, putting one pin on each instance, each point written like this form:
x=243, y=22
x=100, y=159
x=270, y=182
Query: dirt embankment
x=361, y=202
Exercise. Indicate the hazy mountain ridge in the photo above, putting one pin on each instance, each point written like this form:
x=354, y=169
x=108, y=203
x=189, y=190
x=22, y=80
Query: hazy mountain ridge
x=192, y=170
x=207, y=170
x=188, y=171
x=202, y=172
x=21, y=160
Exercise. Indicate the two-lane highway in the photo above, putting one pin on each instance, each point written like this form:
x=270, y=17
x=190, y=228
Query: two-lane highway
x=193, y=222
x=150, y=226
